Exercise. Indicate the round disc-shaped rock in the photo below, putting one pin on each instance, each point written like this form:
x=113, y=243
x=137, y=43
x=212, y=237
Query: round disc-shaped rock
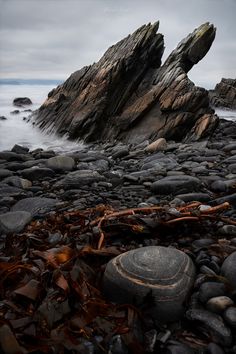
x=158, y=276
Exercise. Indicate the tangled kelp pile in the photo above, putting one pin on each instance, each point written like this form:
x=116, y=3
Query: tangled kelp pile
x=51, y=279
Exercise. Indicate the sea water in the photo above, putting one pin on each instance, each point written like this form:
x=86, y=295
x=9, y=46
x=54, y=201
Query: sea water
x=16, y=130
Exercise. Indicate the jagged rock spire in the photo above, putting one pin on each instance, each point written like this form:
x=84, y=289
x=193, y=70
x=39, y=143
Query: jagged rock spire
x=128, y=95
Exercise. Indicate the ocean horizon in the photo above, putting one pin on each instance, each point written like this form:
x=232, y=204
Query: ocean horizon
x=32, y=81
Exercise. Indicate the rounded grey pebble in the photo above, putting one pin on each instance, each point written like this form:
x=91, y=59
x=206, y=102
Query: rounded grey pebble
x=14, y=221
x=210, y=289
x=161, y=275
x=203, y=242
x=230, y=316
x=206, y=270
x=219, y=303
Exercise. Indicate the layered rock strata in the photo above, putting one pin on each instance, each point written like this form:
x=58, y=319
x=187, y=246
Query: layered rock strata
x=128, y=95
x=224, y=94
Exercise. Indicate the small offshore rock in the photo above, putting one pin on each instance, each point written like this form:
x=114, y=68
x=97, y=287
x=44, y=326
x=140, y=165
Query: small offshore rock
x=22, y=101
x=228, y=269
x=219, y=303
x=230, y=316
x=3, y=118
x=214, y=323
x=158, y=145
x=166, y=275
x=14, y=221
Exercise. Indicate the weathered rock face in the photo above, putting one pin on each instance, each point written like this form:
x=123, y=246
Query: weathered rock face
x=224, y=94
x=129, y=96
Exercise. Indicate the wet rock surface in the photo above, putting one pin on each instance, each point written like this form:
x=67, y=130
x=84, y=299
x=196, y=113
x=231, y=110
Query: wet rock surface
x=59, y=230
x=129, y=96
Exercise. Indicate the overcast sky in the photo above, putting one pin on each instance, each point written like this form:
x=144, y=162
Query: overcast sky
x=52, y=38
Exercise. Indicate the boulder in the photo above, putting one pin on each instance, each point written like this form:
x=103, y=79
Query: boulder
x=161, y=275
x=22, y=101
x=129, y=96
x=224, y=94
x=3, y=118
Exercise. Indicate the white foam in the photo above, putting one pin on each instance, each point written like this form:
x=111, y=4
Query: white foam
x=15, y=130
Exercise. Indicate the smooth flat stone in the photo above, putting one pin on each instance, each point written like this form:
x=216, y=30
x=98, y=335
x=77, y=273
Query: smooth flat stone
x=175, y=185
x=35, y=205
x=14, y=221
x=228, y=269
x=60, y=163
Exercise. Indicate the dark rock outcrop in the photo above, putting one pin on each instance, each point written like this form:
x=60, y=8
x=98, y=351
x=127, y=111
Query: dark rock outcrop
x=127, y=95
x=224, y=94
x=22, y=101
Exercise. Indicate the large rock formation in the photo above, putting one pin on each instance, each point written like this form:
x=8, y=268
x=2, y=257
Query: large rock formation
x=224, y=94
x=127, y=95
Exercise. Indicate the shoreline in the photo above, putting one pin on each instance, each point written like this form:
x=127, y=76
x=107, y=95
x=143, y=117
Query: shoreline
x=46, y=201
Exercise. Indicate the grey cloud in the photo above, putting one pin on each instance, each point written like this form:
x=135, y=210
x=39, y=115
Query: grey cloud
x=52, y=38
